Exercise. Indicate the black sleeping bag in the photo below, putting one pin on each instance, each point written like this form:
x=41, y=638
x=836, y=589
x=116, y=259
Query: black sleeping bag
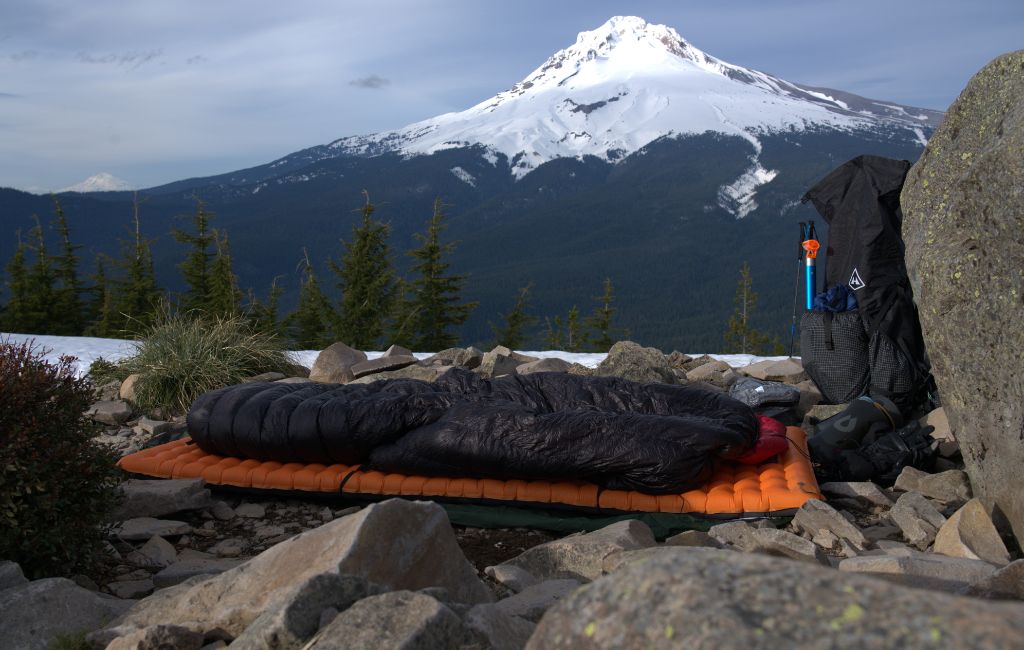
x=654, y=438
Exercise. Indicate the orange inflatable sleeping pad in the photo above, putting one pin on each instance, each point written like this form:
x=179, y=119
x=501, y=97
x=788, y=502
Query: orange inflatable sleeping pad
x=784, y=483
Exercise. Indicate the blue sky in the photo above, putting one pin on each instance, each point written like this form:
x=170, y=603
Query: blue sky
x=159, y=91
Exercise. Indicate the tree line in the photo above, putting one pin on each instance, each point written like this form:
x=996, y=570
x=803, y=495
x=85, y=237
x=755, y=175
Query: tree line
x=121, y=297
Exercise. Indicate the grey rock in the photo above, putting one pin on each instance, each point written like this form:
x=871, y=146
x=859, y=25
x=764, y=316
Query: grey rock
x=693, y=538
x=421, y=373
x=131, y=588
x=265, y=376
x=400, y=619
x=581, y=557
x=108, y=391
x=231, y=547
x=34, y=614
x=151, y=427
x=970, y=172
x=334, y=364
x=251, y=511
x=865, y=491
x=629, y=360
x=970, y=533
x=951, y=486
x=499, y=361
x=817, y=515
x=11, y=575
x=925, y=570
x=789, y=371
x=707, y=598
x=1005, y=584
x=543, y=365
x=893, y=547
x=397, y=544
x=917, y=518
x=112, y=412
x=294, y=621
x=786, y=544
x=397, y=351
x=159, y=637
x=734, y=533
x=222, y=511
x=161, y=497
x=497, y=630
x=382, y=364
x=940, y=422
x=140, y=529
x=182, y=570
x=677, y=359
x=159, y=552
x=532, y=602
x=880, y=532
x=511, y=576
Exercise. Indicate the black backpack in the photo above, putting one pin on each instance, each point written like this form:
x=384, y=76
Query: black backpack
x=860, y=201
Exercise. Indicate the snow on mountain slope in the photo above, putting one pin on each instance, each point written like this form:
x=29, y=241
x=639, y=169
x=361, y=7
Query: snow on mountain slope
x=626, y=84
x=102, y=182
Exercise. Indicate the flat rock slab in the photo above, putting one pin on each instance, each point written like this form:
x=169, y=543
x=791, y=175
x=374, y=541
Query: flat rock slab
x=532, y=602
x=815, y=516
x=864, y=491
x=141, y=529
x=927, y=570
x=382, y=364
x=706, y=598
x=917, y=518
x=400, y=619
x=421, y=373
x=581, y=557
x=1006, y=583
x=162, y=497
x=34, y=614
x=334, y=364
x=951, y=486
x=970, y=533
x=112, y=412
x=543, y=365
x=789, y=371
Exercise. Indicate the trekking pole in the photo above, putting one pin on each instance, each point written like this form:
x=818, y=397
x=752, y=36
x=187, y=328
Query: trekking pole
x=810, y=246
x=796, y=286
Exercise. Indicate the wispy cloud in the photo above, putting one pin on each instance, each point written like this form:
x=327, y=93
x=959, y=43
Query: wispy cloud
x=24, y=55
x=9, y=95
x=198, y=59
x=132, y=59
x=373, y=81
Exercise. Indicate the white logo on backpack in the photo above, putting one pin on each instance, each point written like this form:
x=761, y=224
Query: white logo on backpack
x=855, y=282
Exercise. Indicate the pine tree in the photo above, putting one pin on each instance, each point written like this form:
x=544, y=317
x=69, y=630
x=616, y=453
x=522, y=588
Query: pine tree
x=263, y=316
x=100, y=315
x=740, y=336
x=223, y=297
x=512, y=334
x=312, y=321
x=434, y=307
x=554, y=333
x=576, y=338
x=601, y=320
x=67, y=294
x=196, y=267
x=366, y=281
x=136, y=295
x=15, y=315
x=41, y=315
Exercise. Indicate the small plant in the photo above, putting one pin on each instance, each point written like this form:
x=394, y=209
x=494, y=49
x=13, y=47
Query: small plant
x=102, y=372
x=56, y=484
x=186, y=354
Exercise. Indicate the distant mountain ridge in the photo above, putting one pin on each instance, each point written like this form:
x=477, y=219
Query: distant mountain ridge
x=102, y=182
x=630, y=155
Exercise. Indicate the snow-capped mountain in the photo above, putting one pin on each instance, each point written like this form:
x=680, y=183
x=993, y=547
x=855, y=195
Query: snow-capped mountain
x=625, y=84
x=102, y=182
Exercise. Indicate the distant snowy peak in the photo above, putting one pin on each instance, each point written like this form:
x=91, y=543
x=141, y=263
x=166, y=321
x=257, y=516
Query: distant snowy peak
x=102, y=182
x=626, y=84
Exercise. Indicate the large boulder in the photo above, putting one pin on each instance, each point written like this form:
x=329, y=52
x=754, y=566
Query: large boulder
x=631, y=361
x=706, y=598
x=962, y=206
x=34, y=614
x=396, y=544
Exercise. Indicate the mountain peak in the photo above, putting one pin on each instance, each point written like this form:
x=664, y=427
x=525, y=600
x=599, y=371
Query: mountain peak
x=102, y=182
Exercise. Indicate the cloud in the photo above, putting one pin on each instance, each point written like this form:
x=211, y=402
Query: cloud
x=24, y=55
x=133, y=59
x=373, y=81
x=197, y=59
x=4, y=95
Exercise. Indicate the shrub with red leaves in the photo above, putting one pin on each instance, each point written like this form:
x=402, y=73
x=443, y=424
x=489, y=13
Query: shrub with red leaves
x=56, y=484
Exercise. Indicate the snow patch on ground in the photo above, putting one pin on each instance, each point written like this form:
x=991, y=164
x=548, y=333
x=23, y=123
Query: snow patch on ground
x=464, y=176
x=87, y=349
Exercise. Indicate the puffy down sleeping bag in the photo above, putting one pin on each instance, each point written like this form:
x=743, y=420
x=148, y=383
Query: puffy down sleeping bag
x=619, y=434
